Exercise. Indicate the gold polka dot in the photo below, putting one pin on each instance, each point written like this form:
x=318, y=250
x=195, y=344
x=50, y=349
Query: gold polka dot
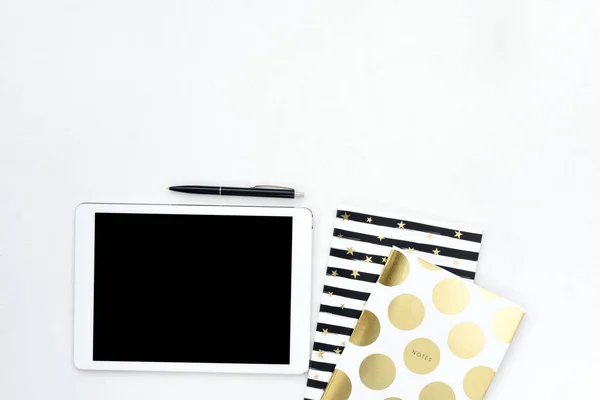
x=339, y=387
x=429, y=266
x=406, y=312
x=437, y=391
x=367, y=329
x=477, y=381
x=466, y=340
x=377, y=371
x=487, y=294
x=451, y=296
x=506, y=321
x=421, y=356
x=395, y=270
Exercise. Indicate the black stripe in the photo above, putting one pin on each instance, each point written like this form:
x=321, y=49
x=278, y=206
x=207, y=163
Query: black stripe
x=321, y=366
x=341, y=330
x=351, y=294
x=346, y=273
x=316, y=384
x=345, y=312
x=403, y=244
x=356, y=256
x=415, y=226
x=460, y=272
x=327, y=347
x=368, y=278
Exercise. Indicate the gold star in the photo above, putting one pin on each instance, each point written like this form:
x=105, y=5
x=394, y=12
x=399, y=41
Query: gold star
x=320, y=353
x=384, y=259
x=342, y=306
x=338, y=351
x=340, y=236
x=316, y=376
x=436, y=252
x=429, y=236
x=325, y=332
x=330, y=294
x=355, y=273
x=368, y=259
x=369, y=219
x=457, y=234
x=401, y=225
x=345, y=216
x=380, y=237
x=411, y=250
x=334, y=273
x=455, y=262
x=343, y=343
x=350, y=251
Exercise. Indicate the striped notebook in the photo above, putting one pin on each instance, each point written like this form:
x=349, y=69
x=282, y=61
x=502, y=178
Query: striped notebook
x=361, y=242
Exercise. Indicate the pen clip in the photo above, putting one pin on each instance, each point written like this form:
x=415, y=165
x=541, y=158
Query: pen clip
x=271, y=187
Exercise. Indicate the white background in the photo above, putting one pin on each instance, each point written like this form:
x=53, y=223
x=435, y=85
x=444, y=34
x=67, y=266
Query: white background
x=484, y=111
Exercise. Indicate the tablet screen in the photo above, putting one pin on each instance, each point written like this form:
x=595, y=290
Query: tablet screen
x=192, y=288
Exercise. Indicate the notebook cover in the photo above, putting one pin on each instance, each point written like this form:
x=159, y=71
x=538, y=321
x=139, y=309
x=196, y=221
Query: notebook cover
x=425, y=334
x=361, y=241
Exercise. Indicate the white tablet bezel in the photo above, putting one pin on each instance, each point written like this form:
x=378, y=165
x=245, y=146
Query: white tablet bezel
x=300, y=298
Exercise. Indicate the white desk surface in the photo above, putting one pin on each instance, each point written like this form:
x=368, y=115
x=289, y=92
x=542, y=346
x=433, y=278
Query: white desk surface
x=479, y=111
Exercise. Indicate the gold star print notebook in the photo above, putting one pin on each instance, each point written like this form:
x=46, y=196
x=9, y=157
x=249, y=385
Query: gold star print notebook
x=425, y=334
x=361, y=241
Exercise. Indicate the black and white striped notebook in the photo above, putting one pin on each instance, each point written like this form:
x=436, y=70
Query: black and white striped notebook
x=361, y=242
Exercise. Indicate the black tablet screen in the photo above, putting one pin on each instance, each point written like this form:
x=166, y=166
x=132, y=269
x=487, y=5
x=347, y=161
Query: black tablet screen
x=192, y=288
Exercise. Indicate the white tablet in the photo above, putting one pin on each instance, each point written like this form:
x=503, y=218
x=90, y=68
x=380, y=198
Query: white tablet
x=192, y=288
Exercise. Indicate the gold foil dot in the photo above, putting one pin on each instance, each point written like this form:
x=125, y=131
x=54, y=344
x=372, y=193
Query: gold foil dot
x=406, y=312
x=367, y=329
x=396, y=269
x=339, y=387
x=421, y=356
x=377, y=371
x=506, y=321
x=477, y=381
x=451, y=296
x=429, y=265
x=466, y=340
x=437, y=391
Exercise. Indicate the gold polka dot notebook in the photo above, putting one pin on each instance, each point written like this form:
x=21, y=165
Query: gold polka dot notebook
x=425, y=334
x=362, y=240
